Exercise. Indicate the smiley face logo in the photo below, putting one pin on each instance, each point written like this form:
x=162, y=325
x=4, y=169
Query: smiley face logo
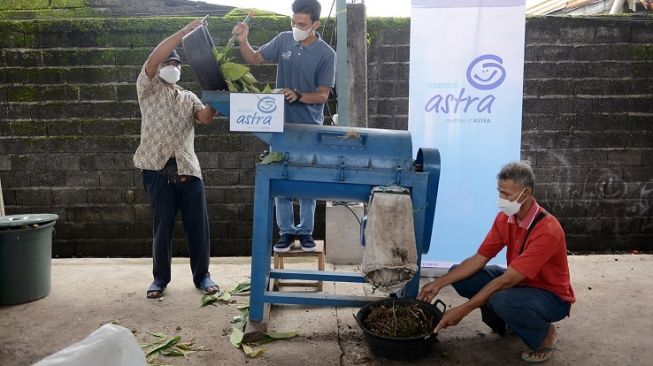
x=267, y=105
x=486, y=72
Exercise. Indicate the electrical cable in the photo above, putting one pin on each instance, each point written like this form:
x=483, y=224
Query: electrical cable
x=347, y=206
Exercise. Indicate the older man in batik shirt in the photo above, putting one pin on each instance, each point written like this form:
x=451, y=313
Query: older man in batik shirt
x=171, y=172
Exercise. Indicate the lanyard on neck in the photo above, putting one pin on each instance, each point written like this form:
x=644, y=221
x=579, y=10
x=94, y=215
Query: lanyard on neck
x=537, y=219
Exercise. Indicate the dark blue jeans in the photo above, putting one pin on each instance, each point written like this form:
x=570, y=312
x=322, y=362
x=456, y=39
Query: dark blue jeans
x=166, y=199
x=528, y=311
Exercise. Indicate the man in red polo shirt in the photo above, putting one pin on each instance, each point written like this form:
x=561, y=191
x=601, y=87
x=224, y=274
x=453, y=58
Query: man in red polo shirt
x=535, y=290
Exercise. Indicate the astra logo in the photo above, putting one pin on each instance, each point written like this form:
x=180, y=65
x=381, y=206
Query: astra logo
x=265, y=105
x=484, y=73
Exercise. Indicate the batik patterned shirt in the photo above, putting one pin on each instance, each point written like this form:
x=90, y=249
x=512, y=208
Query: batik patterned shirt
x=167, y=126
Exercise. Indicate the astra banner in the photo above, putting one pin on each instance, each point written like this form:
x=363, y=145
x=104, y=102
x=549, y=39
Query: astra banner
x=466, y=83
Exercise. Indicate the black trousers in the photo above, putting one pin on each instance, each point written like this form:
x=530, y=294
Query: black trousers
x=167, y=197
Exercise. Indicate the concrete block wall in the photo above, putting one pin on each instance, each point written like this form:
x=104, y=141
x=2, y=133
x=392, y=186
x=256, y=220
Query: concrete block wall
x=587, y=120
x=588, y=127
x=69, y=124
x=36, y=9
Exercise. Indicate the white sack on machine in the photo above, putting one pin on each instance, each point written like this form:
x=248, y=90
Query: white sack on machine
x=390, y=258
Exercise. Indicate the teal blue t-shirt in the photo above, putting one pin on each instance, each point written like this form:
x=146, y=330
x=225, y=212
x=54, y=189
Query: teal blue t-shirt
x=303, y=69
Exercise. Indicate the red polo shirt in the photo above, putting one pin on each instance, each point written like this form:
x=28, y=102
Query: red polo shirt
x=544, y=259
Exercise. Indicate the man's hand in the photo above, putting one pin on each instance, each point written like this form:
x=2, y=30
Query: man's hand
x=290, y=95
x=205, y=115
x=452, y=317
x=241, y=30
x=163, y=50
x=192, y=25
x=251, y=57
x=428, y=292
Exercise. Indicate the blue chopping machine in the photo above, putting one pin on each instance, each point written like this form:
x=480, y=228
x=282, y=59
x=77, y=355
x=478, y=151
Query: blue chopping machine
x=339, y=164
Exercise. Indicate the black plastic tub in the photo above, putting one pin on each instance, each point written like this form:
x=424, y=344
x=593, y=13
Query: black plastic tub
x=401, y=348
x=199, y=47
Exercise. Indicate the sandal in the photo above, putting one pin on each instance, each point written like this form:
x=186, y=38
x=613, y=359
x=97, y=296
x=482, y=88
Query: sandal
x=209, y=287
x=539, y=355
x=154, y=291
x=214, y=289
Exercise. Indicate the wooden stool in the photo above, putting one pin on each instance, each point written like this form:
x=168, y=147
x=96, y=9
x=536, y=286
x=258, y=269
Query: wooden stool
x=296, y=251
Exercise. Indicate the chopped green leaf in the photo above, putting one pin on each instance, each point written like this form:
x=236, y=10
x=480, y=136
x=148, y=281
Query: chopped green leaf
x=158, y=334
x=224, y=296
x=165, y=345
x=272, y=158
x=187, y=346
x=236, y=337
x=282, y=335
x=233, y=70
x=252, y=352
x=240, y=306
x=248, y=77
x=171, y=352
x=209, y=300
x=271, y=337
x=169, y=347
x=237, y=77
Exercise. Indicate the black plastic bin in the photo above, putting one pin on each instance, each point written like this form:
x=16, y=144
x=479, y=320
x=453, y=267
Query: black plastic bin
x=199, y=48
x=25, y=257
x=401, y=348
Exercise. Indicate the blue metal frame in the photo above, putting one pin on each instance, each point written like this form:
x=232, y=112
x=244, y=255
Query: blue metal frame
x=340, y=164
x=324, y=183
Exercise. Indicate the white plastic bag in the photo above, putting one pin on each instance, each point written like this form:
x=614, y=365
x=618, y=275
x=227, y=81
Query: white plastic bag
x=390, y=258
x=111, y=345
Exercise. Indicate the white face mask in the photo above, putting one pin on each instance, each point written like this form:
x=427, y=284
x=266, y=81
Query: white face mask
x=510, y=207
x=170, y=74
x=300, y=35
